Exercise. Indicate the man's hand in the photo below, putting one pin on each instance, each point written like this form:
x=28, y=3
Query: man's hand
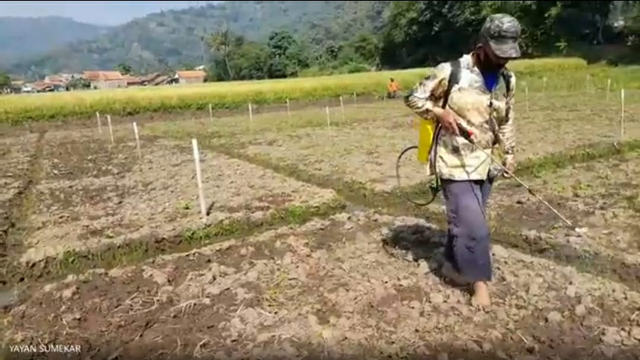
x=449, y=121
x=509, y=163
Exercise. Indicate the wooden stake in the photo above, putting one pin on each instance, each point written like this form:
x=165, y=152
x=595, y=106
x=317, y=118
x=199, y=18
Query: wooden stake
x=355, y=98
x=622, y=114
x=608, y=88
x=250, y=112
x=342, y=107
x=135, y=131
x=99, y=123
x=196, y=157
x=210, y=113
x=110, y=129
x=288, y=109
x=544, y=84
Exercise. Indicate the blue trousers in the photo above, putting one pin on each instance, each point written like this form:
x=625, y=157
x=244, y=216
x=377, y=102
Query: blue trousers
x=468, y=238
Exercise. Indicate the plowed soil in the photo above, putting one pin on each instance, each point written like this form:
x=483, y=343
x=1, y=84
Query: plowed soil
x=331, y=289
x=357, y=284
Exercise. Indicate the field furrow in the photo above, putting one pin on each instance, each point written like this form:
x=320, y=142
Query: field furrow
x=111, y=197
x=329, y=288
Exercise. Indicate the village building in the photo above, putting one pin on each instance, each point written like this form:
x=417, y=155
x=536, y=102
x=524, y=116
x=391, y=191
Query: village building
x=191, y=76
x=105, y=79
x=17, y=86
x=163, y=80
x=133, y=80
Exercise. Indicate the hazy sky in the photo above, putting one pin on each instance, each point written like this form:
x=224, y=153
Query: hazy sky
x=93, y=12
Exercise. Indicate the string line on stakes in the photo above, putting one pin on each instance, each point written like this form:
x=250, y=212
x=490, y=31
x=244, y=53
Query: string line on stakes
x=196, y=158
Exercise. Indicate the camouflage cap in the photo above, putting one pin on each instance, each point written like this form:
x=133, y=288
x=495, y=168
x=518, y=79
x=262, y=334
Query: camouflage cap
x=501, y=32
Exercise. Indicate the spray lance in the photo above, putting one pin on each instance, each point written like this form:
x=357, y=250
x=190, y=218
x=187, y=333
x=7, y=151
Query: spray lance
x=467, y=135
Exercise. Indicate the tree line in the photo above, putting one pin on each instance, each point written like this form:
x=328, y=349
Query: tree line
x=423, y=33
x=419, y=34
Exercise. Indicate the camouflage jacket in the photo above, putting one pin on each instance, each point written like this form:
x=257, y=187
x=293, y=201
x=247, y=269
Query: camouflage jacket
x=488, y=115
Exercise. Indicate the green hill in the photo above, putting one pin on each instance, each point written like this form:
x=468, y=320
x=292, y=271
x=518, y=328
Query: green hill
x=28, y=37
x=174, y=38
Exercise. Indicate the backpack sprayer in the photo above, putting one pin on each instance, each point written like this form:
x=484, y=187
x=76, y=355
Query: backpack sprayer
x=467, y=135
x=428, y=133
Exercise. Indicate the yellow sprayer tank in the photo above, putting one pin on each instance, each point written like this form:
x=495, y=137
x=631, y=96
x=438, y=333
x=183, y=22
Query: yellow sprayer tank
x=426, y=131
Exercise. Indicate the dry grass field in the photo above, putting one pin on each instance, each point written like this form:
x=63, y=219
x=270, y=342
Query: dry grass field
x=307, y=250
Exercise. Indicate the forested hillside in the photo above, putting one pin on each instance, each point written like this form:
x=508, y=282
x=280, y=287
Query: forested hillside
x=25, y=37
x=423, y=33
x=431, y=31
x=179, y=38
x=259, y=39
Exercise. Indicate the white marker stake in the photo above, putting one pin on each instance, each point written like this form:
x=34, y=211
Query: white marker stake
x=355, y=98
x=544, y=85
x=526, y=96
x=328, y=122
x=622, y=115
x=196, y=157
x=588, y=82
x=110, y=129
x=342, y=107
x=99, y=123
x=288, y=109
x=135, y=131
x=211, y=113
x=250, y=112
x=608, y=88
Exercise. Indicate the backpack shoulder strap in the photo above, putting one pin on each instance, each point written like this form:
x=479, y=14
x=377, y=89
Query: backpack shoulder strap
x=454, y=77
x=506, y=77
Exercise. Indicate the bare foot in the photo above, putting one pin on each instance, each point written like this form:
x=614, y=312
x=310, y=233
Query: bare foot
x=481, y=296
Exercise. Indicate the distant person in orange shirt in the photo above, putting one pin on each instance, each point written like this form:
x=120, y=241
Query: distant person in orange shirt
x=392, y=89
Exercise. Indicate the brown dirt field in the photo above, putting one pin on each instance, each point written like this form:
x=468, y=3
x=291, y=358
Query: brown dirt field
x=601, y=196
x=366, y=153
x=94, y=193
x=329, y=288
x=269, y=110
x=80, y=154
x=366, y=145
x=356, y=285
x=19, y=158
x=15, y=155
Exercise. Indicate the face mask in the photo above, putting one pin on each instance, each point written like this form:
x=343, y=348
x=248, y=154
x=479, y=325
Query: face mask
x=486, y=63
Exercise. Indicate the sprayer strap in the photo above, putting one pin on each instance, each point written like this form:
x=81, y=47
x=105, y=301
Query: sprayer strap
x=454, y=77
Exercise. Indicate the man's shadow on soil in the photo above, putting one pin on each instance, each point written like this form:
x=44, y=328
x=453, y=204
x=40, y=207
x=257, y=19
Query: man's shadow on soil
x=416, y=242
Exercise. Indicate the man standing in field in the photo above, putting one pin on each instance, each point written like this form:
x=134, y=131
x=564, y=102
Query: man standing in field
x=477, y=108
x=392, y=89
